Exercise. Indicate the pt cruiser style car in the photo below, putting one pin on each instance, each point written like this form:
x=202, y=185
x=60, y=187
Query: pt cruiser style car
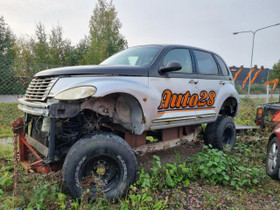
x=91, y=119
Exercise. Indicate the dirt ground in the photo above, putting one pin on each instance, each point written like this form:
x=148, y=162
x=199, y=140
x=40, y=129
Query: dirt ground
x=201, y=195
x=171, y=155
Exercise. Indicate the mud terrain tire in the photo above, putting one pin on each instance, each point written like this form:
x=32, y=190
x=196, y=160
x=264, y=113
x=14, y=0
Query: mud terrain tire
x=220, y=134
x=105, y=160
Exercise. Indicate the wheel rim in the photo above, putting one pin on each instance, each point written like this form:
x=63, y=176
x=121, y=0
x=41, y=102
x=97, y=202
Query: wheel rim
x=272, y=157
x=101, y=172
x=227, y=136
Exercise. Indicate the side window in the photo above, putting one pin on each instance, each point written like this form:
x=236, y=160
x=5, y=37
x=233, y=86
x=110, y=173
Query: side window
x=222, y=65
x=182, y=56
x=206, y=63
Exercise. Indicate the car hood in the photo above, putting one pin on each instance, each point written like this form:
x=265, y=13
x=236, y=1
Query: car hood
x=96, y=70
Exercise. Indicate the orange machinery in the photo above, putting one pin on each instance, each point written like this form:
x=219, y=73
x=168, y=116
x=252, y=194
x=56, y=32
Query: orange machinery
x=237, y=73
x=246, y=79
x=256, y=75
x=274, y=82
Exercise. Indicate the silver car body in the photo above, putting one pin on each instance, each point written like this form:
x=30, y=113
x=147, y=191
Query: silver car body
x=206, y=97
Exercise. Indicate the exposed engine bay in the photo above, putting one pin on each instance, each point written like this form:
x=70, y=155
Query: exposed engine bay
x=67, y=131
x=71, y=121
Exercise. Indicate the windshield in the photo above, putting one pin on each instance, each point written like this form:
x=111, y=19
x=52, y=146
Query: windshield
x=136, y=56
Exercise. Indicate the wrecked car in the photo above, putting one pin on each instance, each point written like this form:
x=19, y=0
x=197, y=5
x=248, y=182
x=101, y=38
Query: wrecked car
x=91, y=120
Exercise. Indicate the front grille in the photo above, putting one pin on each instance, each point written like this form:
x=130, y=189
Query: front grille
x=39, y=88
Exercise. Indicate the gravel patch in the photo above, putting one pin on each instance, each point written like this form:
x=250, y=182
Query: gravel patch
x=8, y=140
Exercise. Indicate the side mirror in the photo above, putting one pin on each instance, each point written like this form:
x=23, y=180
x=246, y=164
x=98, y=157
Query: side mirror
x=170, y=66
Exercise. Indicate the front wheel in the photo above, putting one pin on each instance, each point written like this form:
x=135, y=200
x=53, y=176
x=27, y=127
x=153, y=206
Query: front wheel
x=221, y=134
x=100, y=162
x=272, y=158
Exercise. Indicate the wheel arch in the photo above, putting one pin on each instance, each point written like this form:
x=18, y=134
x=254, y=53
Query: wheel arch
x=229, y=107
x=272, y=136
x=123, y=108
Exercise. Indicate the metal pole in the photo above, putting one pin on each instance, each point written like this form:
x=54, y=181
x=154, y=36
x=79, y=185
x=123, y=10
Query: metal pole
x=252, y=54
x=267, y=92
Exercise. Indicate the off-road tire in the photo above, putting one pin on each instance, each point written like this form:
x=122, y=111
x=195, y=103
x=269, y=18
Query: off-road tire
x=220, y=134
x=272, y=158
x=105, y=152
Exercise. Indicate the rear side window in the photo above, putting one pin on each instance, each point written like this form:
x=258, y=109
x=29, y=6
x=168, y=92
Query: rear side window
x=205, y=62
x=222, y=65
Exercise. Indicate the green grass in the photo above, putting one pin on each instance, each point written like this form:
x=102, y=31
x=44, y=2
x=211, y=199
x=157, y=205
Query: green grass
x=8, y=113
x=6, y=150
x=255, y=89
x=176, y=185
x=241, y=177
x=247, y=111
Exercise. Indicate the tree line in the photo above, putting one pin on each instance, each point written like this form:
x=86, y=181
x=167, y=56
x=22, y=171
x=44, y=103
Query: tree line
x=21, y=58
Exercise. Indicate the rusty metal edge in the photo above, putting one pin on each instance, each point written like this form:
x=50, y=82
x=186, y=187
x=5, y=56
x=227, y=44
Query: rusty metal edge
x=141, y=150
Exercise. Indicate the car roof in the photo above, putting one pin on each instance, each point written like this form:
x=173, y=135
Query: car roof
x=169, y=46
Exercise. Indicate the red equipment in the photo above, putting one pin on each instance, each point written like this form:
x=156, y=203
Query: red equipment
x=24, y=151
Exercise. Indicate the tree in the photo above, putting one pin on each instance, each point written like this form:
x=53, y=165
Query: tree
x=43, y=50
x=24, y=63
x=7, y=55
x=40, y=46
x=81, y=51
x=105, y=38
x=61, y=51
x=275, y=72
x=6, y=41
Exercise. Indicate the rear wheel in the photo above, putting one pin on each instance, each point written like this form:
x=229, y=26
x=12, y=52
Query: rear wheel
x=221, y=134
x=272, y=158
x=100, y=162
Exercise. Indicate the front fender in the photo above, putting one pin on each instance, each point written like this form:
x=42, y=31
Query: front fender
x=276, y=132
x=135, y=86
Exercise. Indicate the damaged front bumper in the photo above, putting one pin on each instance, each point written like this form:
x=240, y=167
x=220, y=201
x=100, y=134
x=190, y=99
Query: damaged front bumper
x=48, y=112
x=34, y=108
x=53, y=108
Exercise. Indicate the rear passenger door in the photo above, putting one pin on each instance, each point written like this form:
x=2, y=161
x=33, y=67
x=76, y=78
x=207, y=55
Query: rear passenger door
x=210, y=82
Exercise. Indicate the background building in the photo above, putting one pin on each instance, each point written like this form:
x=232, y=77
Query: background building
x=261, y=78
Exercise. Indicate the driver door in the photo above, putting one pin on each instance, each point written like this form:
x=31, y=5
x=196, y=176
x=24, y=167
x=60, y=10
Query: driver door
x=177, y=91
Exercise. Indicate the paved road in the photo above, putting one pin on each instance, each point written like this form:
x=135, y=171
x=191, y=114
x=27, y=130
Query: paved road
x=8, y=98
x=260, y=96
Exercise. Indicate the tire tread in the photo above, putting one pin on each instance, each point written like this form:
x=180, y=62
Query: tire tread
x=83, y=145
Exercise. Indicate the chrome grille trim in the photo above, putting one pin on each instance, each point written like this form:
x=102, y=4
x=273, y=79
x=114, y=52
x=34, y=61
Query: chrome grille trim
x=39, y=88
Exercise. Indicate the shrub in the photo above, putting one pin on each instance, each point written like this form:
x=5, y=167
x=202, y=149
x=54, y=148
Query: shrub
x=218, y=167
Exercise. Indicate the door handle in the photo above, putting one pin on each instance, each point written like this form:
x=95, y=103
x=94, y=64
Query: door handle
x=222, y=83
x=193, y=82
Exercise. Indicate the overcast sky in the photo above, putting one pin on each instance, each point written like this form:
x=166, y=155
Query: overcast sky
x=207, y=24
